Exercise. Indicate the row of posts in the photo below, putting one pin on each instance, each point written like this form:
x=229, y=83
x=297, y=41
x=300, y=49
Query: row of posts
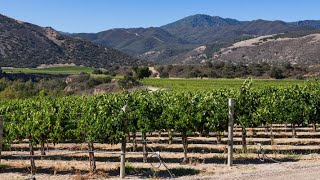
x=123, y=143
x=231, y=104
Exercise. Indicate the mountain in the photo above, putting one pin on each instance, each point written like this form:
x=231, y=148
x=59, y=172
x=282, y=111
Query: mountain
x=201, y=28
x=200, y=21
x=153, y=44
x=310, y=23
x=27, y=45
x=204, y=29
x=301, y=49
x=193, y=39
x=134, y=40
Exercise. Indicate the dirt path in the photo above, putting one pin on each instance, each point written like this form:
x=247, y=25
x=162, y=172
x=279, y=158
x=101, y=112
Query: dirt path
x=289, y=170
x=309, y=170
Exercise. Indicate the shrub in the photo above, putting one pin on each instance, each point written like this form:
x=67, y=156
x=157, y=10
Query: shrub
x=276, y=73
x=142, y=72
x=164, y=75
x=97, y=71
x=128, y=82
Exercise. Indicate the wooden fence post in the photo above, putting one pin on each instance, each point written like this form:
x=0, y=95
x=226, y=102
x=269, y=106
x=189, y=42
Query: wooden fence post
x=230, y=131
x=123, y=146
x=1, y=135
x=144, y=147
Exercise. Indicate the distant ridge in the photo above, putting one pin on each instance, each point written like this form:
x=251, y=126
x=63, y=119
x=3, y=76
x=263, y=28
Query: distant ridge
x=193, y=39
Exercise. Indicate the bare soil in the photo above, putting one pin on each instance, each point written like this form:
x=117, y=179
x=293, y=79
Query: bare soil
x=299, y=158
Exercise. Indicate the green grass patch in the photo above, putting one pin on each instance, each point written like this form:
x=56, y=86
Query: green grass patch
x=51, y=70
x=210, y=84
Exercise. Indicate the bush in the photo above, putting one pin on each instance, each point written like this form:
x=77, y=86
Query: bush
x=128, y=82
x=142, y=72
x=112, y=74
x=194, y=74
x=97, y=71
x=164, y=75
x=97, y=81
x=92, y=82
x=82, y=77
x=106, y=79
x=276, y=73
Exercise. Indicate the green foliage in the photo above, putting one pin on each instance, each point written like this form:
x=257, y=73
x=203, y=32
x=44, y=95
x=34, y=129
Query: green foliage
x=101, y=118
x=97, y=71
x=141, y=72
x=94, y=81
x=164, y=75
x=276, y=73
x=52, y=70
x=23, y=90
x=128, y=82
x=214, y=84
x=227, y=70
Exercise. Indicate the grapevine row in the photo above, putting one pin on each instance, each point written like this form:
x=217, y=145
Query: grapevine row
x=100, y=119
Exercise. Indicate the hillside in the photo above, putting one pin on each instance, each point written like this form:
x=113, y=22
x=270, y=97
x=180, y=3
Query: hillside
x=193, y=39
x=276, y=49
x=154, y=44
x=27, y=45
x=204, y=29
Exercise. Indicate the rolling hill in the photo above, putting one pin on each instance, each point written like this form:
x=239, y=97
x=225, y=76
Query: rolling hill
x=274, y=49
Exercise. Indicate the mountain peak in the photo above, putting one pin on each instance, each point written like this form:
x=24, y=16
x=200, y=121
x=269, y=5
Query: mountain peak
x=202, y=20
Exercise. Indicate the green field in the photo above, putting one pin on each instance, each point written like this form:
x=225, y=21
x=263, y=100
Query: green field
x=209, y=84
x=51, y=70
x=174, y=84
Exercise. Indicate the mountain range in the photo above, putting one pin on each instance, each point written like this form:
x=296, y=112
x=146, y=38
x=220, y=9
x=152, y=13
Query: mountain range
x=191, y=40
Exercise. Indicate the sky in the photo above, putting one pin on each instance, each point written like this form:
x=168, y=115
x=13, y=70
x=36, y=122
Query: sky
x=98, y=15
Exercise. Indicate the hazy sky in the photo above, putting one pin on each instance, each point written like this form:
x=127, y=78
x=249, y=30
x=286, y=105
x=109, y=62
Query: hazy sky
x=98, y=15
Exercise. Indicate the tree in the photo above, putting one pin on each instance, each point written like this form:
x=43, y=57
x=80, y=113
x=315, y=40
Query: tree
x=128, y=82
x=97, y=71
x=276, y=73
x=142, y=72
x=164, y=74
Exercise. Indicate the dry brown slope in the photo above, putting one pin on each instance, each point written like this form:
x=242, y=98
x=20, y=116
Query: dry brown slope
x=302, y=50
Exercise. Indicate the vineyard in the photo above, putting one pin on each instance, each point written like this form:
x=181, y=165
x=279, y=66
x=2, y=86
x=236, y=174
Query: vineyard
x=180, y=125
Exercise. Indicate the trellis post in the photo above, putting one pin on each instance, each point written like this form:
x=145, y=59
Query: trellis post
x=1, y=135
x=230, y=131
x=123, y=145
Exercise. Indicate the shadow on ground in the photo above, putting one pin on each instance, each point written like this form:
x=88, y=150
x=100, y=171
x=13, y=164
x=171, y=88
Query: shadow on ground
x=130, y=171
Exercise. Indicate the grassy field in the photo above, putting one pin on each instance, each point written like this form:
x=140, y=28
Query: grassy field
x=209, y=84
x=52, y=70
